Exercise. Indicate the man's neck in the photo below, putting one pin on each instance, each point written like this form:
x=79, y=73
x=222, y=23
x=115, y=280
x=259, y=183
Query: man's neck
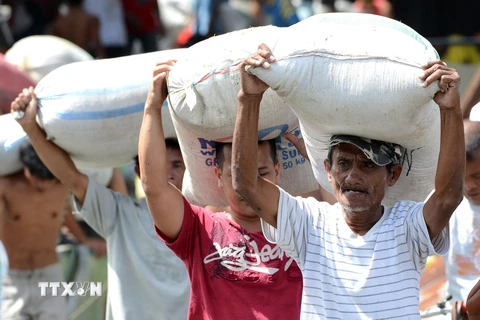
x=360, y=222
x=251, y=224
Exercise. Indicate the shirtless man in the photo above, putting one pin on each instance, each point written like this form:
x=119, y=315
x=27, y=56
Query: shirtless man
x=32, y=203
x=80, y=28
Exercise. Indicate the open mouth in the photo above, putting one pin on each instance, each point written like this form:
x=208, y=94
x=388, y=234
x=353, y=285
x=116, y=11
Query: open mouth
x=354, y=191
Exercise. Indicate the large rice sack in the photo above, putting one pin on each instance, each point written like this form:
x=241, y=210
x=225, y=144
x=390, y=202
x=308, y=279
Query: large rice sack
x=102, y=176
x=12, y=81
x=202, y=96
x=96, y=115
x=475, y=113
x=40, y=55
x=358, y=74
x=10, y=132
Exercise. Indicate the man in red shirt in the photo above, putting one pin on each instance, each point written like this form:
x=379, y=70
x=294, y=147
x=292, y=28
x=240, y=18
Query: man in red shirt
x=143, y=23
x=235, y=273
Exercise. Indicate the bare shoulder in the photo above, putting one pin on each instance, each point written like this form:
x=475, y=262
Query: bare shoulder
x=10, y=182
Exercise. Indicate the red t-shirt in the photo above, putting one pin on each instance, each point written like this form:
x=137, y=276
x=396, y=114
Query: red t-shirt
x=140, y=16
x=235, y=274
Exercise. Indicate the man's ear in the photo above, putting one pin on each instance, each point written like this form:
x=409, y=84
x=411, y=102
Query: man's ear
x=277, y=173
x=327, y=166
x=218, y=174
x=27, y=173
x=394, y=175
x=137, y=170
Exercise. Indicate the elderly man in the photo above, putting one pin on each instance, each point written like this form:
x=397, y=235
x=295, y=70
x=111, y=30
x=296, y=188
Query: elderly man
x=358, y=258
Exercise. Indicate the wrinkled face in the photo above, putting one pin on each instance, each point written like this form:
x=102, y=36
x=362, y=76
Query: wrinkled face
x=472, y=180
x=358, y=183
x=266, y=169
x=176, y=167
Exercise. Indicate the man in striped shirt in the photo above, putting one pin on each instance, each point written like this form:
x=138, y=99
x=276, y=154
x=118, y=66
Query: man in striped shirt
x=359, y=259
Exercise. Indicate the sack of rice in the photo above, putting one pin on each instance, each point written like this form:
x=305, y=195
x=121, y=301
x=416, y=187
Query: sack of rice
x=96, y=115
x=358, y=75
x=40, y=55
x=203, y=87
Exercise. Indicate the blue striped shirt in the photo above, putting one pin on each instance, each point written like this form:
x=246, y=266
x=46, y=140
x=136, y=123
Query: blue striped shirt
x=346, y=276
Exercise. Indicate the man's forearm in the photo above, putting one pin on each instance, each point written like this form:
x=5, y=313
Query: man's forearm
x=152, y=152
x=56, y=160
x=245, y=145
x=450, y=168
x=451, y=160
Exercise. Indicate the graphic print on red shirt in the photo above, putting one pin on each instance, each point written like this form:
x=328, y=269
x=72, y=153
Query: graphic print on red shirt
x=233, y=271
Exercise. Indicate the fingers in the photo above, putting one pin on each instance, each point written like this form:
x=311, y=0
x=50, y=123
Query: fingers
x=20, y=105
x=263, y=57
x=448, y=77
x=159, y=76
x=170, y=62
x=433, y=62
x=162, y=68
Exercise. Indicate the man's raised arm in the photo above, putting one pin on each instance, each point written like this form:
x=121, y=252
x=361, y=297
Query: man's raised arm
x=164, y=200
x=54, y=158
x=260, y=194
x=451, y=161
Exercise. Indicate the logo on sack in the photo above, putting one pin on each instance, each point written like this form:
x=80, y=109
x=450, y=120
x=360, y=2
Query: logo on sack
x=70, y=289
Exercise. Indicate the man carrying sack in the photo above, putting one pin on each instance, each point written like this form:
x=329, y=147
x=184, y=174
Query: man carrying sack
x=359, y=259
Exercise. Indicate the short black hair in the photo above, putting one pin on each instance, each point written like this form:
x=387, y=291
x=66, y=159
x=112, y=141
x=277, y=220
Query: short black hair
x=31, y=161
x=220, y=153
x=472, y=139
x=330, y=159
x=74, y=3
x=170, y=143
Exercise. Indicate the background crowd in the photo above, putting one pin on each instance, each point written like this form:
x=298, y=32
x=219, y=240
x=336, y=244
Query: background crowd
x=116, y=28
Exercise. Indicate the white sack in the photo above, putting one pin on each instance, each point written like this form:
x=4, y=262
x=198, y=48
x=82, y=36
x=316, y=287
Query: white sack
x=102, y=176
x=94, y=109
x=357, y=74
x=10, y=145
x=40, y=55
x=475, y=113
x=202, y=96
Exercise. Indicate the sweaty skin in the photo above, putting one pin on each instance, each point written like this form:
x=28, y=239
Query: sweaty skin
x=30, y=217
x=80, y=28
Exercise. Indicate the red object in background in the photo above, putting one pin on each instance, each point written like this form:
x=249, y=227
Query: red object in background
x=374, y=6
x=12, y=81
x=140, y=16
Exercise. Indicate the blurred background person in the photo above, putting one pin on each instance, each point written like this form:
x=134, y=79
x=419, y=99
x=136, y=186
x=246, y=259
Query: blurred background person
x=143, y=24
x=113, y=32
x=79, y=27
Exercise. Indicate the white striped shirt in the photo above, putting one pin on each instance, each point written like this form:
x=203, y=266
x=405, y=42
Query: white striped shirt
x=345, y=276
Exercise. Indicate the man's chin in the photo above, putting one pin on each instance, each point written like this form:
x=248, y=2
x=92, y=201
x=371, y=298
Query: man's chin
x=354, y=206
